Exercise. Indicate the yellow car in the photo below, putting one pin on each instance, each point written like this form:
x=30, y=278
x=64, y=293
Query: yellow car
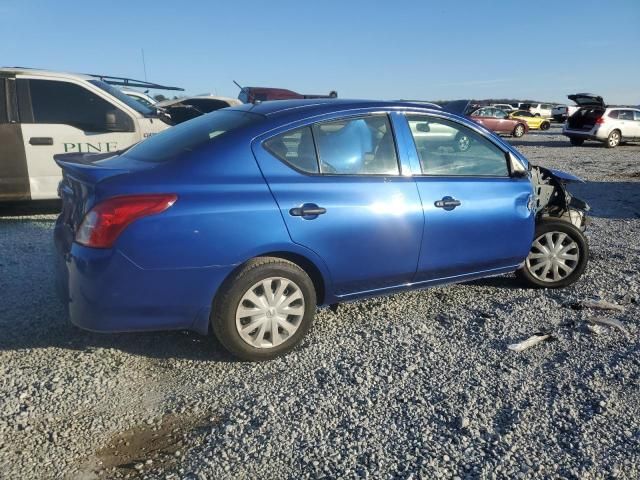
x=531, y=120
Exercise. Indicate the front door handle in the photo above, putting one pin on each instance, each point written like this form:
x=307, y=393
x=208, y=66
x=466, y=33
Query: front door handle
x=448, y=203
x=41, y=141
x=307, y=210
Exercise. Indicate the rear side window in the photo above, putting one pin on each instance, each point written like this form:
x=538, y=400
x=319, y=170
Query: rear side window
x=625, y=115
x=356, y=146
x=190, y=135
x=295, y=148
x=450, y=149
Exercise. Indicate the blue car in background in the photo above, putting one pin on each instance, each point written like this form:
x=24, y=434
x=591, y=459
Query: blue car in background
x=242, y=221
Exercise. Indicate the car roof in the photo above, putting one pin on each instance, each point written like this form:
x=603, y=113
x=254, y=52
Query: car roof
x=44, y=73
x=310, y=107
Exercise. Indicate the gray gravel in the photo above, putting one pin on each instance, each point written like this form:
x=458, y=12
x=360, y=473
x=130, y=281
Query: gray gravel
x=416, y=385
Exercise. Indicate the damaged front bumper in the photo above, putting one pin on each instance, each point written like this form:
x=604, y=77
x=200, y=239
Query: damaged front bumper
x=553, y=200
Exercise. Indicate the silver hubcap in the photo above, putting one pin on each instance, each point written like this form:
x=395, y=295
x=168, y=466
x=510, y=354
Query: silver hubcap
x=614, y=138
x=270, y=312
x=553, y=257
x=519, y=130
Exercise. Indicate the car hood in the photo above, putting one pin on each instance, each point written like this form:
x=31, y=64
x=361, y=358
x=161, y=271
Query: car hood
x=563, y=176
x=587, y=100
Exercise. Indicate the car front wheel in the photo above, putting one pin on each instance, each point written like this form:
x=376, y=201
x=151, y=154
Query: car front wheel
x=265, y=309
x=518, y=131
x=558, y=255
x=545, y=126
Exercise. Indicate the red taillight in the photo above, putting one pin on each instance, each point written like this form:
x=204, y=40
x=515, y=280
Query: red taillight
x=104, y=222
x=600, y=120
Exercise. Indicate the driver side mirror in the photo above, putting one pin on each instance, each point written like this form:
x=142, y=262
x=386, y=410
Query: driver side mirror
x=517, y=169
x=116, y=123
x=423, y=127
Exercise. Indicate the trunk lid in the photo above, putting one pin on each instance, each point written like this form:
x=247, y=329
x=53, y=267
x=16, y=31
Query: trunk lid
x=81, y=175
x=587, y=100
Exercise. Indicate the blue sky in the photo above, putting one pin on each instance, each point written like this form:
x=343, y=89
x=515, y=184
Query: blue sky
x=363, y=49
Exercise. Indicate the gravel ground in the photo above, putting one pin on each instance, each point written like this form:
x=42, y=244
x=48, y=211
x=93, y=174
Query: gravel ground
x=416, y=385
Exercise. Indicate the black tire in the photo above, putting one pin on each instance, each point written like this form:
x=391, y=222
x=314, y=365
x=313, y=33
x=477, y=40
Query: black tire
x=519, y=130
x=462, y=143
x=576, y=142
x=225, y=305
x=614, y=139
x=525, y=273
x=537, y=115
x=545, y=126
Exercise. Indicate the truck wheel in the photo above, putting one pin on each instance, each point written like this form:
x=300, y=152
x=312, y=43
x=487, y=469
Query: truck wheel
x=264, y=309
x=558, y=256
x=576, y=142
x=613, y=140
x=518, y=131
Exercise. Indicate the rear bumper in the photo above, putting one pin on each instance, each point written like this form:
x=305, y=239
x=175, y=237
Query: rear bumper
x=104, y=291
x=593, y=134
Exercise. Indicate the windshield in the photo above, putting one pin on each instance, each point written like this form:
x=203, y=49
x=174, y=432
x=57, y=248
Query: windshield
x=188, y=136
x=130, y=102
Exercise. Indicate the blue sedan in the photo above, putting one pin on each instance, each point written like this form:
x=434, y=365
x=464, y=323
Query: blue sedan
x=244, y=220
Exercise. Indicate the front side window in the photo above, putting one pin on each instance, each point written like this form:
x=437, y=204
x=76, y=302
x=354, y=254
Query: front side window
x=356, y=146
x=295, y=148
x=55, y=102
x=636, y=114
x=447, y=148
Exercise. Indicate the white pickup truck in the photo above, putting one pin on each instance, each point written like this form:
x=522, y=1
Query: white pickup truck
x=43, y=113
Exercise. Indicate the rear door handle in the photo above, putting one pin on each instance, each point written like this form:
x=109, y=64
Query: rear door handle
x=41, y=141
x=307, y=210
x=448, y=203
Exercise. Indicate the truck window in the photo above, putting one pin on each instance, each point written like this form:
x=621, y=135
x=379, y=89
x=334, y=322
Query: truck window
x=55, y=102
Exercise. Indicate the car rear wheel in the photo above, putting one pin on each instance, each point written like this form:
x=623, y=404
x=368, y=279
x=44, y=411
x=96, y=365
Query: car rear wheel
x=519, y=130
x=613, y=140
x=265, y=309
x=545, y=126
x=558, y=256
x=576, y=142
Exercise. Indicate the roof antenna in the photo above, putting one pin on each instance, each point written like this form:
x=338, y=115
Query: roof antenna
x=237, y=84
x=144, y=65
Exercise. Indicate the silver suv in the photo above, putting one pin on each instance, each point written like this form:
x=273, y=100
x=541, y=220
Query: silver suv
x=595, y=121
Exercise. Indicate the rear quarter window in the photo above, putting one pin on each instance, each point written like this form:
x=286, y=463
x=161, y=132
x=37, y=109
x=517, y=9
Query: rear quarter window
x=190, y=135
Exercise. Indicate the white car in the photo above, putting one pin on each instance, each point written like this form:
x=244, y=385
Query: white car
x=141, y=97
x=43, y=113
x=541, y=109
x=595, y=121
x=505, y=107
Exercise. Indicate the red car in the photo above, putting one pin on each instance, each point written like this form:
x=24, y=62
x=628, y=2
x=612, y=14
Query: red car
x=263, y=94
x=499, y=121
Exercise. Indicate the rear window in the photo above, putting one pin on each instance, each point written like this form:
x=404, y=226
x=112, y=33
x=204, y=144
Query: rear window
x=190, y=135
